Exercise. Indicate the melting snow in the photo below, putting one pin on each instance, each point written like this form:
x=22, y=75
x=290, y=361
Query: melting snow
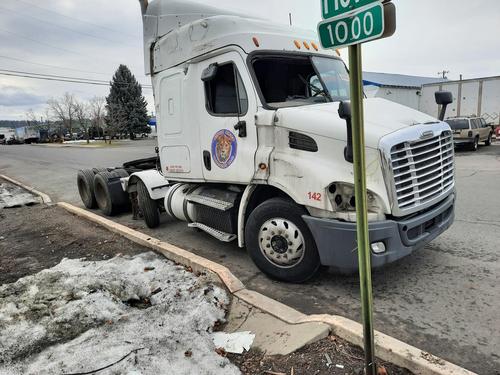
x=12, y=196
x=81, y=316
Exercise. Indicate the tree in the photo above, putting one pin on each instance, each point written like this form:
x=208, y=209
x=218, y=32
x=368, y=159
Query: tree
x=126, y=106
x=81, y=111
x=97, y=112
x=64, y=111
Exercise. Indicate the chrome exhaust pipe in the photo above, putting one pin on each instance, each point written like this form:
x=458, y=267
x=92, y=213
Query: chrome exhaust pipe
x=144, y=6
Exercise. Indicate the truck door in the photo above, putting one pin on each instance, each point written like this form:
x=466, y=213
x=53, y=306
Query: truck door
x=227, y=124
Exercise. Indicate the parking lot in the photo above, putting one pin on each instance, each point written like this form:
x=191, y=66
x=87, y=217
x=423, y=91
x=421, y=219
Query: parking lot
x=444, y=299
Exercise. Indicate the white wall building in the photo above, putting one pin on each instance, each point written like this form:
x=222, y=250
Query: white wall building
x=399, y=88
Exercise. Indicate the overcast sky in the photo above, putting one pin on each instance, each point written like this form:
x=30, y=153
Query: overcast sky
x=90, y=38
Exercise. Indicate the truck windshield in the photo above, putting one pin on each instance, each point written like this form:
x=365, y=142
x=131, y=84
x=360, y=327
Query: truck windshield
x=296, y=80
x=458, y=124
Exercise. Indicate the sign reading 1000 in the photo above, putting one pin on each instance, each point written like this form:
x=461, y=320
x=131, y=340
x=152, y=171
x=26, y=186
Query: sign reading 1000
x=363, y=26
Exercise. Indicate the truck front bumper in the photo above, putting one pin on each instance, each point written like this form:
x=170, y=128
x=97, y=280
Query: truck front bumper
x=336, y=240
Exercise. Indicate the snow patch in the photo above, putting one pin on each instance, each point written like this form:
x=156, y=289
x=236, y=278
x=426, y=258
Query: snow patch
x=13, y=196
x=141, y=315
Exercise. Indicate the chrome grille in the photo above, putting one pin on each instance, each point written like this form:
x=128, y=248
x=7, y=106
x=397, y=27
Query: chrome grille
x=422, y=170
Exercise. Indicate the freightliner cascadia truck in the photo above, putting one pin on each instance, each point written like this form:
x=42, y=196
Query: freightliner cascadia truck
x=251, y=147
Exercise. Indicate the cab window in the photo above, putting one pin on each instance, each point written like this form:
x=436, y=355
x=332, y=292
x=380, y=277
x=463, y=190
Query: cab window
x=225, y=93
x=289, y=80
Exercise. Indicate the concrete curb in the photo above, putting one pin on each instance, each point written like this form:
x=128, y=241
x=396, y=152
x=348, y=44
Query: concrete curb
x=387, y=348
x=45, y=198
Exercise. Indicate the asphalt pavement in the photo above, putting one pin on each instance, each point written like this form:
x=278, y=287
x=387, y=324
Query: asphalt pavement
x=444, y=299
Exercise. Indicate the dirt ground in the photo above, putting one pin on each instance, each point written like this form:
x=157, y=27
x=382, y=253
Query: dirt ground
x=38, y=237
x=331, y=356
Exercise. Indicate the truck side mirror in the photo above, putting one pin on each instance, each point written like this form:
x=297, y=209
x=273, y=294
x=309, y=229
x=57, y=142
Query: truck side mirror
x=346, y=114
x=443, y=98
x=209, y=73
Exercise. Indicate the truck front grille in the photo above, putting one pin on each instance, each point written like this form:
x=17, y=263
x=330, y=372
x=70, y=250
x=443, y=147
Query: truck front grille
x=422, y=170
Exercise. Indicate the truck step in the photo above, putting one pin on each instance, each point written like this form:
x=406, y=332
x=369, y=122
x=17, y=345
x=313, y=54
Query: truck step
x=221, y=236
x=210, y=202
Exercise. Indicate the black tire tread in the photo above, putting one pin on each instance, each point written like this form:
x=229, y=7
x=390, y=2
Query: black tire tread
x=148, y=206
x=85, y=184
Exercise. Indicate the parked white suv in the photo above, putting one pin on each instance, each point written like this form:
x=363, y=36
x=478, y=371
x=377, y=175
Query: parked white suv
x=469, y=131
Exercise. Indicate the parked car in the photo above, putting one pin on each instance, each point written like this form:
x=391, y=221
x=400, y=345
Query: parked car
x=469, y=131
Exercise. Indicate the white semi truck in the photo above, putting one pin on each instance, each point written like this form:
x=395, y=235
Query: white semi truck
x=251, y=147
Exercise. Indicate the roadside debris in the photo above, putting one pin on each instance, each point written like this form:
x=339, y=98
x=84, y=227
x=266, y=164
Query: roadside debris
x=236, y=342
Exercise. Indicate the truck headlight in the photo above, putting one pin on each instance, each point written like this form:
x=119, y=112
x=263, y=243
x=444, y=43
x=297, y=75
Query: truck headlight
x=342, y=197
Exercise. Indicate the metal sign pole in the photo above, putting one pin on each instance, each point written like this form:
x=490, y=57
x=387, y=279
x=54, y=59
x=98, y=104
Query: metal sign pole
x=364, y=253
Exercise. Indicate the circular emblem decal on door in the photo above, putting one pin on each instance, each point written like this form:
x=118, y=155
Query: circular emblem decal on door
x=224, y=148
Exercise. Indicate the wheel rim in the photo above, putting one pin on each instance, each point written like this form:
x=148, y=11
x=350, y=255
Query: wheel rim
x=281, y=242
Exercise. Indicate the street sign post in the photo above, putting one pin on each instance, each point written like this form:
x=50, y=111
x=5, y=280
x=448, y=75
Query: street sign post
x=350, y=23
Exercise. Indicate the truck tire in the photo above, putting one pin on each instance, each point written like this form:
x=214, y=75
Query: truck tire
x=280, y=243
x=109, y=194
x=488, y=140
x=85, y=183
x=148, y=206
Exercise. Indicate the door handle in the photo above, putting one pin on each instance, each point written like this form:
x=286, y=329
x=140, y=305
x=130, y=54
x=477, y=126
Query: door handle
x=207, y=160
x=241, y=128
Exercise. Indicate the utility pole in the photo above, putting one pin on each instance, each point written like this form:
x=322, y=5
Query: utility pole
x=290, y=18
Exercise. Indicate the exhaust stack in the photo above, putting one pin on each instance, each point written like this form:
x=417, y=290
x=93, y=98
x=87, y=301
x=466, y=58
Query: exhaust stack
x=144, y=6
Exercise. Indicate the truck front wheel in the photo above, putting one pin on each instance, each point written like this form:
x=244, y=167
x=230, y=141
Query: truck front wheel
x=280, y=243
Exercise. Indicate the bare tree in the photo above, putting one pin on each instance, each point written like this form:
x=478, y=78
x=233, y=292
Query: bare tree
x=64, y=111
x=97, y=112
x=31, y=118
x=81, y=111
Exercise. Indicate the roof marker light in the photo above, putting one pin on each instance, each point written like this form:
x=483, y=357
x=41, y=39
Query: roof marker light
x=338, y=52
x=297, y=44
x=256, y=41
x=314, y=46
x=307, y=46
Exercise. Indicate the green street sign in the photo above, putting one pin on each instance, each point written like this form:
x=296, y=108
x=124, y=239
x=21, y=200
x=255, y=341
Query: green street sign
x=335, y=8
x=354, y=28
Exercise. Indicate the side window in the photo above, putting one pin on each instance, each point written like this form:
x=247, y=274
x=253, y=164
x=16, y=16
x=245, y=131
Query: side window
x=483, y=123
x=225, y=93
x=473, y=123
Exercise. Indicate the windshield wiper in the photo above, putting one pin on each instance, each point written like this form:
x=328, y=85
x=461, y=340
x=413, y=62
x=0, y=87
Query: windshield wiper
x=316, y=90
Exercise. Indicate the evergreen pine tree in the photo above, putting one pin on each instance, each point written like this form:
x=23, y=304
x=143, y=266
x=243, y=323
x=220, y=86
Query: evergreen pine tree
x=126, y=106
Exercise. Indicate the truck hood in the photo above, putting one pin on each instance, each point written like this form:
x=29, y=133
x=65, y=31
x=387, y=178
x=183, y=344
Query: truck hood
x=382, y=117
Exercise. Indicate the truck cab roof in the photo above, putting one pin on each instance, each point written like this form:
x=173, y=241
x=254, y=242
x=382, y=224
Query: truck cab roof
x=176, y=32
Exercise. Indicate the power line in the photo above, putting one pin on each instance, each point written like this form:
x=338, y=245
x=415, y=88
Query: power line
x=46, y=44
x=52, y=66
x=77, y=19
x=39, y=42
x=50, y=77
x=64, y=27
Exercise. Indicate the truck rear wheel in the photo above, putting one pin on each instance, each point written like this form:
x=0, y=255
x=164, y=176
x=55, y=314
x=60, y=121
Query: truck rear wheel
x=109, y=194
x=280, y=243
x=85, y=183
x=148, y=206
